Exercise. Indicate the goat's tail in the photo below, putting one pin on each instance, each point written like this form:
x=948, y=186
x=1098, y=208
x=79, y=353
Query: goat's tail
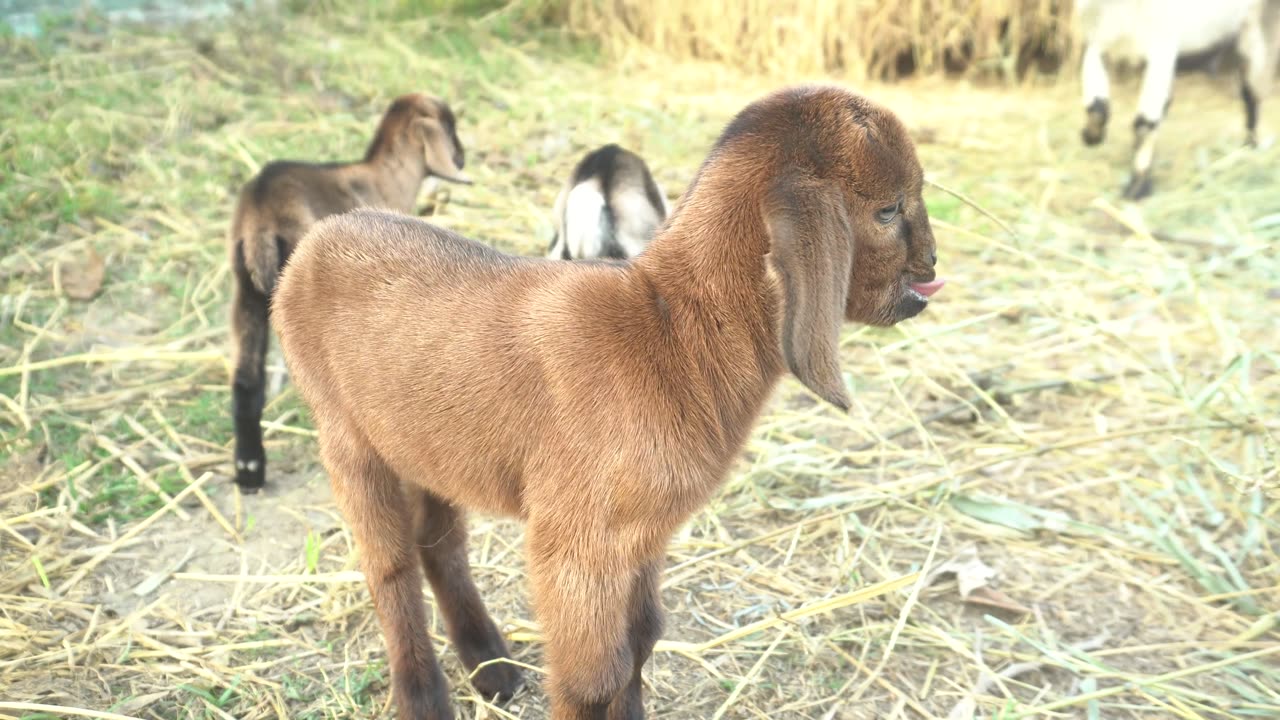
x=260, y=254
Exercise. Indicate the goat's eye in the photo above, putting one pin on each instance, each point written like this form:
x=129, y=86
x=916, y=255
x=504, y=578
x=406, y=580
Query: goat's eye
x=887, y=214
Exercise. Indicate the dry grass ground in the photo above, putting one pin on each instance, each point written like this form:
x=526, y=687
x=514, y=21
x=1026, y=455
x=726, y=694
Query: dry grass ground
x=1056, y=494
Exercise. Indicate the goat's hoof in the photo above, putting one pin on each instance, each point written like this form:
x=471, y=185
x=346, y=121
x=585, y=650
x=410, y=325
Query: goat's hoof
x=627, y=706
x=500, y=680
x=1095, y=121
x=1138, y=188
x=422, y=703
x=251, y=474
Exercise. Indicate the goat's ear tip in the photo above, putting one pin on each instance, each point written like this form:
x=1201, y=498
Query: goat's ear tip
x=839, y=400
x=834, y=394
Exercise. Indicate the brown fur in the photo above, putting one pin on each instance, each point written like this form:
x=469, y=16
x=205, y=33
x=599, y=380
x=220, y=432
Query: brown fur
x=415, y=139
x=602, y=403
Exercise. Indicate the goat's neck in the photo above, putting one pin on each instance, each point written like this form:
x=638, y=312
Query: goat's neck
x=709, y=268
x=695, y=265
x=396, y=178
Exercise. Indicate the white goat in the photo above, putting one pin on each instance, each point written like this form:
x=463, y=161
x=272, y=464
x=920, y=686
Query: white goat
x=609, y=209
x=1159, y=31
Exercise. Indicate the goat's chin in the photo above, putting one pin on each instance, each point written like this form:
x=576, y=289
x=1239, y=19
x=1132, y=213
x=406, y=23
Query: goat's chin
x=909, y=305
x=898, y=308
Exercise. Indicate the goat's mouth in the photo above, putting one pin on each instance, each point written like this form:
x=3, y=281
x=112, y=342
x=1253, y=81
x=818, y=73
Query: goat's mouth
x=912, y=300
x=925, y=290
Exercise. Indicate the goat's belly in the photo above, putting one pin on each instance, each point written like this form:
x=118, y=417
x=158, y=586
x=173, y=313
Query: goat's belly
x=471, y=467
x=1217, y=23
x=484, y=484
x=1131, y=31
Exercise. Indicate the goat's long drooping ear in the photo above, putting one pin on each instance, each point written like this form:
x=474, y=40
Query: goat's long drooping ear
x=440, y=151
x=812, y=253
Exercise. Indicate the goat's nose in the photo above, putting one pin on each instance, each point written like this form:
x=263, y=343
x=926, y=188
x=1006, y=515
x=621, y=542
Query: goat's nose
x=933, y=258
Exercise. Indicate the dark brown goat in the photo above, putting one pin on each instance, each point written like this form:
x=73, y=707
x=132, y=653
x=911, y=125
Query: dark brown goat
x=603, y=403
x=416, y=139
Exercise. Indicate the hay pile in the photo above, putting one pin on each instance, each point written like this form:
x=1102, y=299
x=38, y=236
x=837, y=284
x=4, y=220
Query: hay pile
x=1056, y=494
x=880, y=39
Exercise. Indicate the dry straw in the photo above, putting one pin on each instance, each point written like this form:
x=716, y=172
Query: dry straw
x=1087, y=413
x=863, y=39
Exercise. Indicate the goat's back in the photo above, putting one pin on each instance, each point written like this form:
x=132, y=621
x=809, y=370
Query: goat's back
x=297, y=193
x=279, y=204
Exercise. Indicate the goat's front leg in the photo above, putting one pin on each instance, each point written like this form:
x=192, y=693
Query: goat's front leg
x=1097, y=93
x=1254, y=72
x=249, y=335
x=644, y=629
x=1153, y=103
x=582, y=589
x=370, y=498
x=440, y=532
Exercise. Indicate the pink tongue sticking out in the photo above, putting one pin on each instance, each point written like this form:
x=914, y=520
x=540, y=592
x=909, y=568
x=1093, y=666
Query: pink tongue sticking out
x=929, y=288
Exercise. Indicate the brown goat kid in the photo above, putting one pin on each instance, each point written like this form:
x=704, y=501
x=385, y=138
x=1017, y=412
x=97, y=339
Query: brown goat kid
x=417, y=138
x=602, y=403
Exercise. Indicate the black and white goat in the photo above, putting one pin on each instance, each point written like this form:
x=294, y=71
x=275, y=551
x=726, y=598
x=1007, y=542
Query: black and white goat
x=1159, y=31
x=609, y=209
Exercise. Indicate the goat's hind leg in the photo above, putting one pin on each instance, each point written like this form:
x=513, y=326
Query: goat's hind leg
x=440, y=532
x=371, y=500
x=1255, y=73
x=249, y=336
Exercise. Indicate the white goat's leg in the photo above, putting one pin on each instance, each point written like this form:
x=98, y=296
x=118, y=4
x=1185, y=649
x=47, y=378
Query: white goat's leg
x=1097, y=94
x=559, y=248
x=1153, y=102
x=1255, y=72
